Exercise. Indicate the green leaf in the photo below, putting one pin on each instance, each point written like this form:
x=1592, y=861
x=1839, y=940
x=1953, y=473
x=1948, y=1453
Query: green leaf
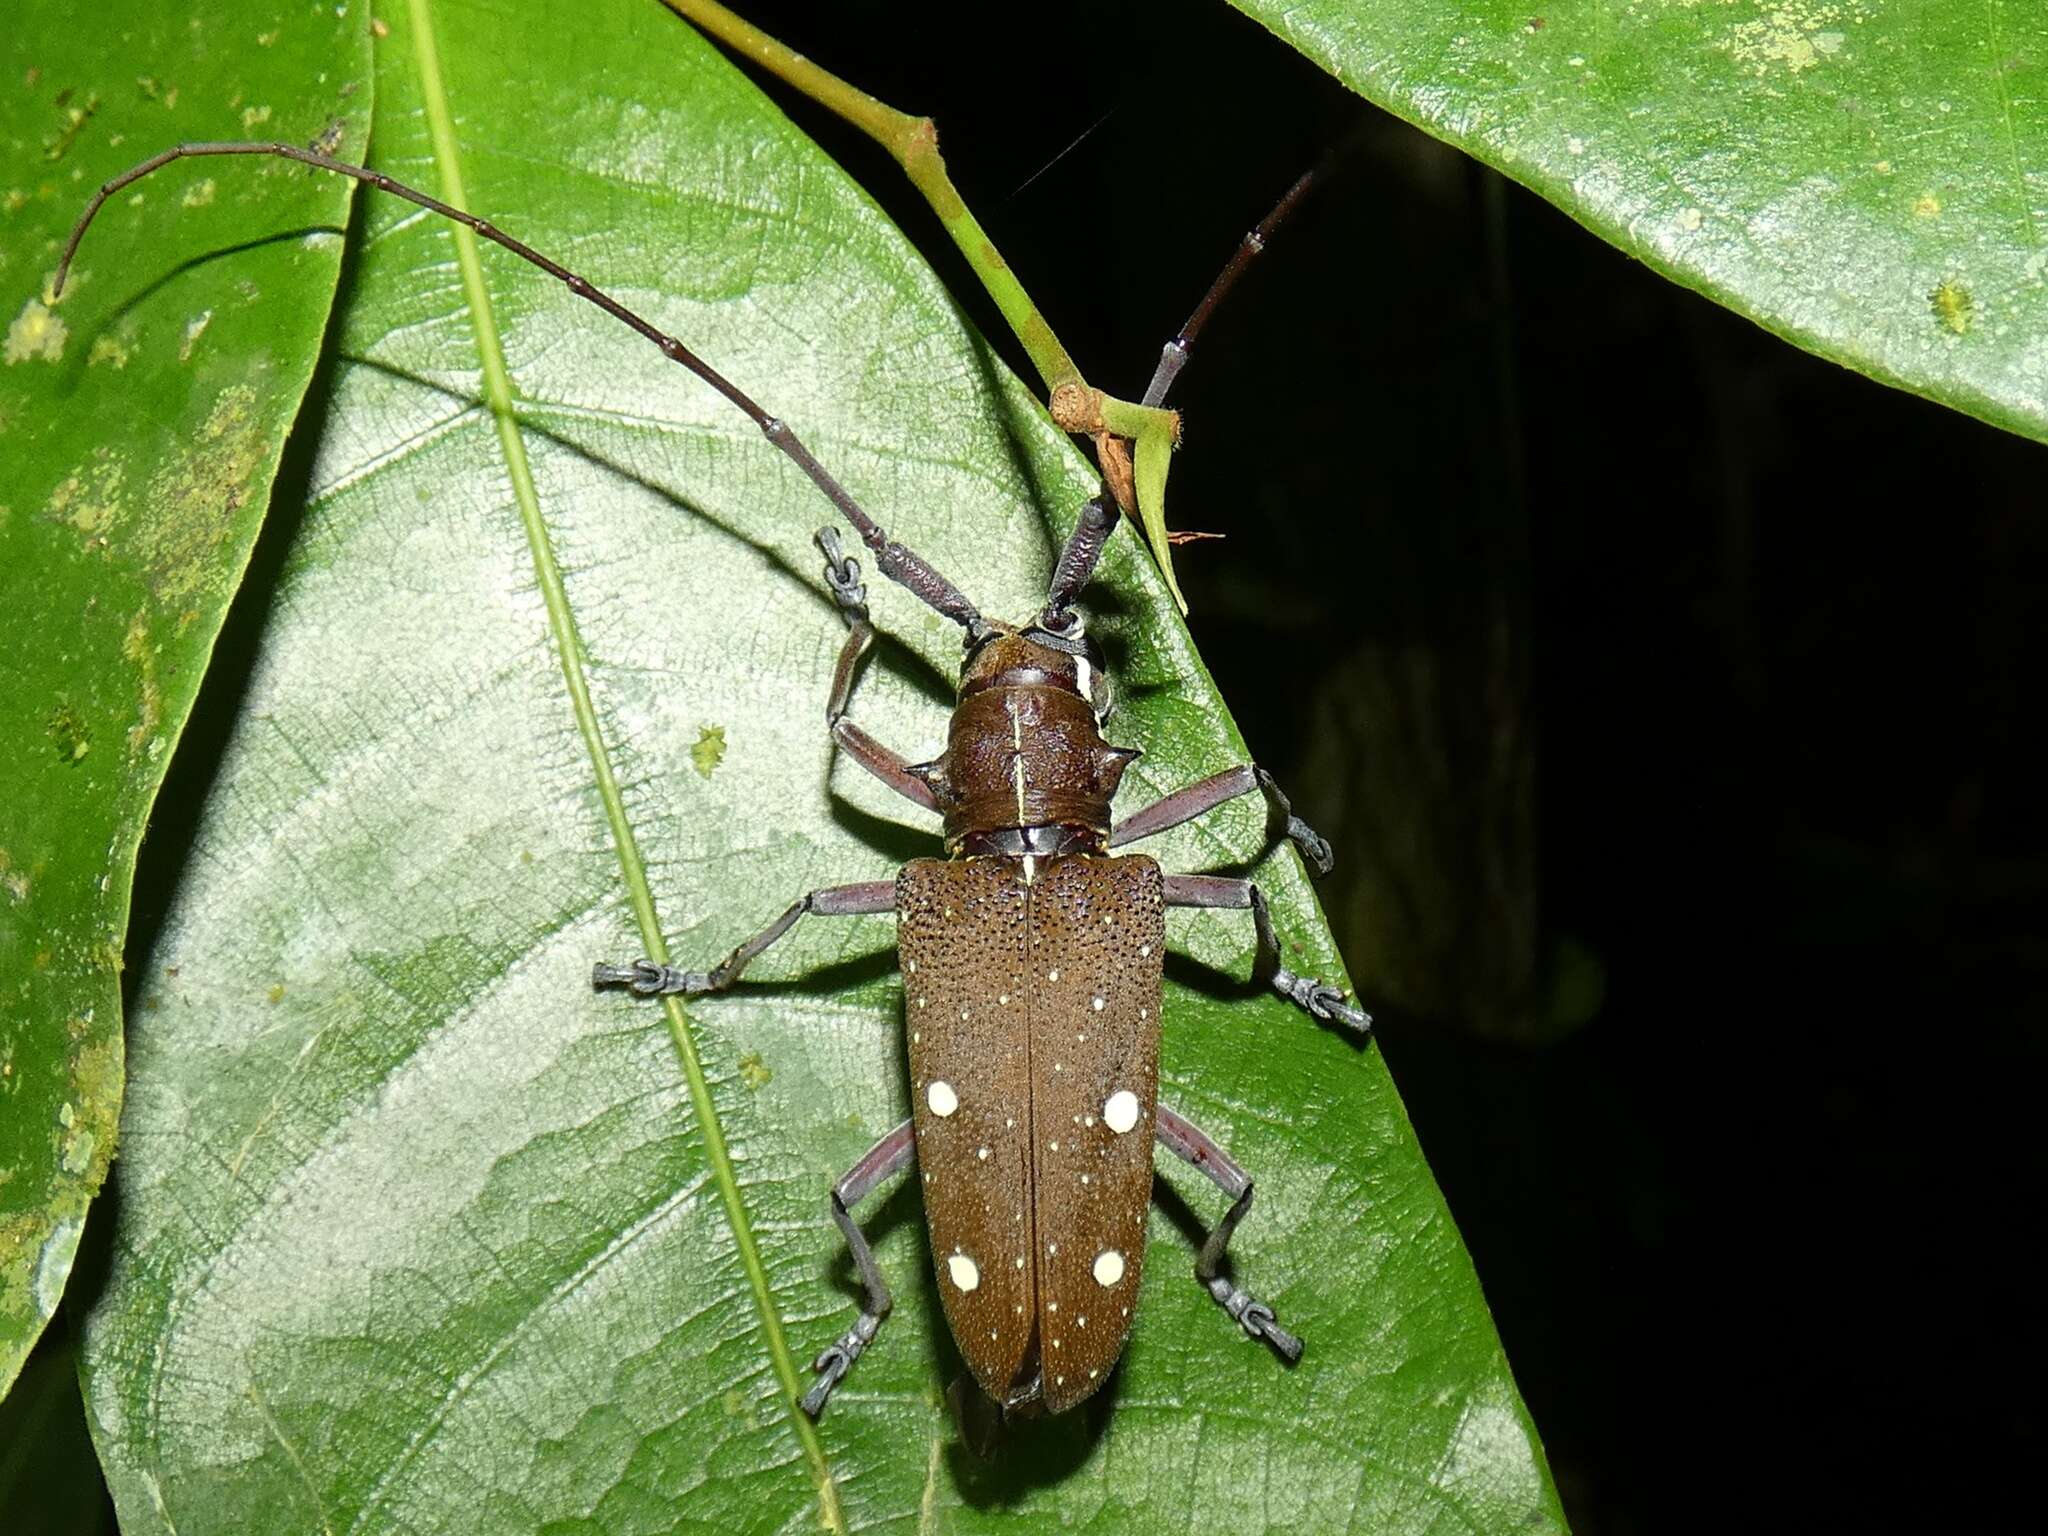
x=417, y=1232
x=1866, y=178
x=141, y=421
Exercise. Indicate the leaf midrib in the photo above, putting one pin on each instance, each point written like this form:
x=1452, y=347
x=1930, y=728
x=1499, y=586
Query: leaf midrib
x=569, y=648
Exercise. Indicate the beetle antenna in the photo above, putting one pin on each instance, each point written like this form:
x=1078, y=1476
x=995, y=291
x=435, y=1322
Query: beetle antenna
x=1077, y=561
x=1174, y=355
x=896, y=562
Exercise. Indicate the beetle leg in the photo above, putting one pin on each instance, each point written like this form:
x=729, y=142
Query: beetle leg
x=649, y=979
x=842, y=575
x=1317, y=999
x=1194, y=1146
x=889, y=1156
x=1202, y=797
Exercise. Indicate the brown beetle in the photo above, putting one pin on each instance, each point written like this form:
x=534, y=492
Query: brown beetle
x=1031, y=955
x=1032, y=961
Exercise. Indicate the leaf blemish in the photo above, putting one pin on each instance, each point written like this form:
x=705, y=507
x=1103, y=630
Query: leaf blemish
x=36, y=333
x=755, y=1072
x=709, y=751
x=194, y=329
x=68, y=732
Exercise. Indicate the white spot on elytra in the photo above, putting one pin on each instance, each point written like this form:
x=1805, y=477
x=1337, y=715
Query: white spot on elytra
x=1109, y=1267
x=982, y=1154
x=1120, y=1113
x=1097, y=1004
x=942, y=1099
x=1004, y=999
x=1052, y=1249
x=963, y=1015
x=1144, y=950
x=1052, y=1306
x=965, y=1272
x=1052, y=975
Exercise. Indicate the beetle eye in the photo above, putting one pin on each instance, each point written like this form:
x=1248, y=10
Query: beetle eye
x=1100, y=690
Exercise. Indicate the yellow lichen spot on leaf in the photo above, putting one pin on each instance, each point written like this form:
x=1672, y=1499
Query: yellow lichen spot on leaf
x=276, y=992
x=709, y=751
x=1953, y=306
x=1927, y=206
x=149, y=708
x=253, y=117
x=107, y=349
x=1690, y=219
x=1792, y=36
x=200, y=193
x=13, y=200
x=755, y=1072
x=36, y=333
x=192, y=503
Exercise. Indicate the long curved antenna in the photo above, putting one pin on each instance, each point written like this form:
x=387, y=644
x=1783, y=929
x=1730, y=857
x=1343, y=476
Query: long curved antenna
x=899, y=564
x=1174, y=355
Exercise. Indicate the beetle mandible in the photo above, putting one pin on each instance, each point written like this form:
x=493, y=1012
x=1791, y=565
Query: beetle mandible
x=1032, y=955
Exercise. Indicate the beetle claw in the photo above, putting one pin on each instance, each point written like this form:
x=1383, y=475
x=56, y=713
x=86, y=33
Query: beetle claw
x=1255, y=1317
x=646, y=979
x=1315, y=849
x=1320, y=1000
x=1258, y=1321
x=835, y=1360
x=842, y=575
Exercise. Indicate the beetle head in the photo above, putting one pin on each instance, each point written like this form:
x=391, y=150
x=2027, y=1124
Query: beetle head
x=1034, y=657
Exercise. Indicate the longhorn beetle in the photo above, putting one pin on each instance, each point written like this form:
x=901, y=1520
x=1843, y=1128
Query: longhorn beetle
x=1031, y=954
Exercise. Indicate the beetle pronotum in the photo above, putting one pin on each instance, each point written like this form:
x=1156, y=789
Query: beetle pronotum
x=1032, y=956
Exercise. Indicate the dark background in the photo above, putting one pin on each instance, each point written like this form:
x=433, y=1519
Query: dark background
x=1669, y=694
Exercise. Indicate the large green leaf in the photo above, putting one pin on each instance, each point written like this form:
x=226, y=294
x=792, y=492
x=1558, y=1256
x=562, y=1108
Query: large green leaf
x=1867, y=178
x=415, y=1231
x=141, y=420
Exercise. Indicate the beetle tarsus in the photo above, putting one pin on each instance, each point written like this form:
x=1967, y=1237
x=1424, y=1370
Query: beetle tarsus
x=842, y=575
x=835, y=1359
x=1314, y=848
x=647, y=979
x=1320, y=1000
x=1255, y=1317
